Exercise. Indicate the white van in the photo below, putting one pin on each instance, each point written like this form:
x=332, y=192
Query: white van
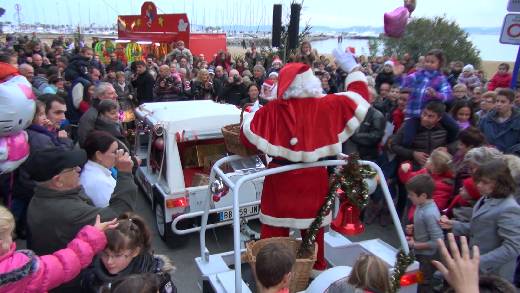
x=178, y=143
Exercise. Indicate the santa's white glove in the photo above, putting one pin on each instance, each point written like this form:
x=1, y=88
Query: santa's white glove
x=346, y=60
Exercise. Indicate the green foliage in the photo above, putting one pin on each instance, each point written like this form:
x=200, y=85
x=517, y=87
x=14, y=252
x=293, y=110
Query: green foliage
x=284, y=40
x=424, y=34
x=373, y=46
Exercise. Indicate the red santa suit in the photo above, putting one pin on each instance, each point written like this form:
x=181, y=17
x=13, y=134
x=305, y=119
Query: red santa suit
x=302, y=125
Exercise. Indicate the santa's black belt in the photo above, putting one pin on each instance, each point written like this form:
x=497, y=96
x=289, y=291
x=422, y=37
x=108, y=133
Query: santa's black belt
x=283, y=162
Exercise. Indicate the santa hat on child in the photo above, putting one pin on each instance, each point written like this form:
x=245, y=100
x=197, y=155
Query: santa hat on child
x=296, y=80
x=268, y=83
x=471, y=189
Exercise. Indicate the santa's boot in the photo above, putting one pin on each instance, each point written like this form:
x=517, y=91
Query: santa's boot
x=321, y=264
x=372, y=211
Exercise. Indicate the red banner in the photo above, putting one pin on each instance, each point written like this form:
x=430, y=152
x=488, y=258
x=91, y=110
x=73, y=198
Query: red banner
x=153, y=27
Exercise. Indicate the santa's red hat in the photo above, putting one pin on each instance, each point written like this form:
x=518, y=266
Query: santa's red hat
x=471, y=188
x=296, y=80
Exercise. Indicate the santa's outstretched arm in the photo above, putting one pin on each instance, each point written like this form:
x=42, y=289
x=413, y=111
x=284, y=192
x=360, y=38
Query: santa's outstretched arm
x=356, y=80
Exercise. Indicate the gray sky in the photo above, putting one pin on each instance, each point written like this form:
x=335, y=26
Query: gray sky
x=333, y=13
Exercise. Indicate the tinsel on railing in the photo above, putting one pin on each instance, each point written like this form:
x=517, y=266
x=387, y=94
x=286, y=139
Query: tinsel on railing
x=350, y=180
x=402, y=262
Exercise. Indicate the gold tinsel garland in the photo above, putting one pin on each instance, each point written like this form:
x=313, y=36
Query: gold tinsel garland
x=402, y=262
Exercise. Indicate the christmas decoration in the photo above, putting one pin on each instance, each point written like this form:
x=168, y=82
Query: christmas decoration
x=353, y=184
x=402, y=262
x=350, y=179
x=347, y=221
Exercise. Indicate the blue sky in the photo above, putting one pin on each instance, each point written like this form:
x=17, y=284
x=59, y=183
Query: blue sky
x=333, y=13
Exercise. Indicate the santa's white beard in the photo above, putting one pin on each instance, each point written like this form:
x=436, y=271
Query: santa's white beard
x=308, y=87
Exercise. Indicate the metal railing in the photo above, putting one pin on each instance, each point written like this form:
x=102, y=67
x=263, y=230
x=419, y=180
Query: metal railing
x=235, y=187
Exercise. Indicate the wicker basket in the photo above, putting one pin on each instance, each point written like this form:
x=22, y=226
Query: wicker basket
x=232, y=140
x=302, y=268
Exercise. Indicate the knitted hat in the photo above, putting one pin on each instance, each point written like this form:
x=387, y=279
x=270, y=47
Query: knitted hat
x=389, y=62
x=471, y=189
x=274, y=73
x=277, y=60
x=469, y=68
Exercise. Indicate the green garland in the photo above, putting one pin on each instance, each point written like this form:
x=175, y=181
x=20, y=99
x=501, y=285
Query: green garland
x=353, y=183
x=350, y=180
x=402, y=262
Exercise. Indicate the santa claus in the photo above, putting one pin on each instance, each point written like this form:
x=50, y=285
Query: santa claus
x=303, y=125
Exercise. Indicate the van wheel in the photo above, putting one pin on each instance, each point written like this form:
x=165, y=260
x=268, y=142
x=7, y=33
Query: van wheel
x=165, y=228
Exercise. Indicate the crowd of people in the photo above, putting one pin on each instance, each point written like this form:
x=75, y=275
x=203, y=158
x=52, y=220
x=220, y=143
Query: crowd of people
x=446, y=138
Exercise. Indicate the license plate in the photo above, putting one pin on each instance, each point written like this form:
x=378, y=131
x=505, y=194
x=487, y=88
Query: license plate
x=244, y=212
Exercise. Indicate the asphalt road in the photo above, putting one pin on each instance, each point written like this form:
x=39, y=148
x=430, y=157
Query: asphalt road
x=220, y=240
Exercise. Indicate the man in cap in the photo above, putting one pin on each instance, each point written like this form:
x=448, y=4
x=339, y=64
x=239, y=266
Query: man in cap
x=60, y=207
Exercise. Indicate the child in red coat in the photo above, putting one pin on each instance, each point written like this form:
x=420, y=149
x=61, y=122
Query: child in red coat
x=467, y=197
x=501, y=79
x=398, y=113
x=438, y=167
x=23, y=271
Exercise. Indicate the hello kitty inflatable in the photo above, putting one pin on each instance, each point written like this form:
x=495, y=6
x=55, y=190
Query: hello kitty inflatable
x=17, y=108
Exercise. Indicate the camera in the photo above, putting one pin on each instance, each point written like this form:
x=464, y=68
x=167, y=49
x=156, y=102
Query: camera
x=236, y=79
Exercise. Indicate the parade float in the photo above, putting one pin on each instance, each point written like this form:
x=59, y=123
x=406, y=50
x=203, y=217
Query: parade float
x=233, y=271
x=150, y=33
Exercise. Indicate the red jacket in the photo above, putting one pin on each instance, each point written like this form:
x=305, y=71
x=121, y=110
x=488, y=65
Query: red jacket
x=442, y=192
x=303, y=129
x=500, y=80
x=397, y=119
x=22, y=271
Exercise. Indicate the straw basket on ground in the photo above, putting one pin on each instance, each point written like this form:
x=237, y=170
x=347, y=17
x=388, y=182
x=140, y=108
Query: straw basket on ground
x=302, y=268
x=232, y=140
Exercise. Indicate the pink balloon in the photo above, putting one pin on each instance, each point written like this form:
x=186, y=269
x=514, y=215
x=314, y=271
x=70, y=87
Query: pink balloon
x=395, y=22
x=17, y=146
x=14, y=150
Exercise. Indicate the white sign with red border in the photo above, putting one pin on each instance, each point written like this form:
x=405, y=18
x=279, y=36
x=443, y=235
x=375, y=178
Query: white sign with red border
x=511, y=30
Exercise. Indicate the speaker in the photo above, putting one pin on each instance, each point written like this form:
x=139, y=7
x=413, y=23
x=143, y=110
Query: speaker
x=294, y=25
x=276, y=34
